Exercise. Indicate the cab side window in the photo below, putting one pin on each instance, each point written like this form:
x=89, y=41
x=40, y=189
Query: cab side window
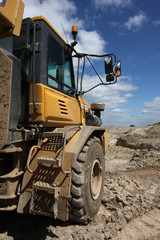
x=55, y=60
x=59, y=68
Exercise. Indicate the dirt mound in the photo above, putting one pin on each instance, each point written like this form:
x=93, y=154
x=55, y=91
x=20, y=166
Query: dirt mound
x=146, y=138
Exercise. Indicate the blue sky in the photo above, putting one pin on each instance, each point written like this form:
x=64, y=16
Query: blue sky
x=128, y=28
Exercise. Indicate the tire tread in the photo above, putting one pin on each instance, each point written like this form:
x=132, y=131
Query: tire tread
x=77, y=204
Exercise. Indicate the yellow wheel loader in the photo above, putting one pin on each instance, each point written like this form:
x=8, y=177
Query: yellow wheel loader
x=52, y=144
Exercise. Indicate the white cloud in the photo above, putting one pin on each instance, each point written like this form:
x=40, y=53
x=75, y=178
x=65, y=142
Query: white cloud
x=136, y=22
x=114, y=3
x=156, y=22
x=56, y=12
x=114, y=24
x=113, y=96
x=119, y=110
x=117, y=117
x=125, y=117
x=64, y=12
x=152, y=107
x=90, y=42
x=151, y=113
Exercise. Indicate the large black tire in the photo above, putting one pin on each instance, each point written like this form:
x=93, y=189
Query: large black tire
x=87, y=182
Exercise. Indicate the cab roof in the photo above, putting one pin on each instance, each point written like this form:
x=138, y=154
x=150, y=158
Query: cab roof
x=45, y=20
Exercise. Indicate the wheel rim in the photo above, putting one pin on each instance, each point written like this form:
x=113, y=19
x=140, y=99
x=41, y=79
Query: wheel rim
x=96, y=178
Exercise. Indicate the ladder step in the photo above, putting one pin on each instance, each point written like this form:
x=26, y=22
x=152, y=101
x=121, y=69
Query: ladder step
x=44, y=202
x=49, y=160
x=43, y=186
x=39, y=212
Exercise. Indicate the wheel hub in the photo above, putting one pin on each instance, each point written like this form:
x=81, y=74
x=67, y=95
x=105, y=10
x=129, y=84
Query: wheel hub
x=96, y=178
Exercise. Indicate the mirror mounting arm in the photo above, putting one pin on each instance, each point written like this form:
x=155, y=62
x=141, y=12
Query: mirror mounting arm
x=94, y=69
x=83, y=55
x=109, y=83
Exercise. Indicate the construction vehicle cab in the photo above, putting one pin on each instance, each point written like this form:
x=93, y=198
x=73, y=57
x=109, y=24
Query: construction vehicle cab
x=47, y=65
x=52, y=143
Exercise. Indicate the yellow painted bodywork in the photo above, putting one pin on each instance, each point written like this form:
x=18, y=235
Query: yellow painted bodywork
x=11, y=18
x=54, y=108
x=85, y=108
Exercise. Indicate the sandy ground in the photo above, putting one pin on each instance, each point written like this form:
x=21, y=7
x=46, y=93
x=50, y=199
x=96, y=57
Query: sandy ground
x=130, y=208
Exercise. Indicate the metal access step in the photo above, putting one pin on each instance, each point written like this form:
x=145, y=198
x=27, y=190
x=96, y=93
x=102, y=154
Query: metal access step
x=44, y=199
x=49, y=160
x=43, y=186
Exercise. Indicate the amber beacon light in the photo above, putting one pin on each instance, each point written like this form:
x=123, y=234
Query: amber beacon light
x=74, y=32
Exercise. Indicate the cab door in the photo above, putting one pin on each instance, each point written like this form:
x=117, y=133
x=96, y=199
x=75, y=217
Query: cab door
x=58, y=105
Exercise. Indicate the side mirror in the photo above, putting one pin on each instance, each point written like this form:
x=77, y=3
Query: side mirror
x=117, y=69
x=110, y=78
x=108, y=62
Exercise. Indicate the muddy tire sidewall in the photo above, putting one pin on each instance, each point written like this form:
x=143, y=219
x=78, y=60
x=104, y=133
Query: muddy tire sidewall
x=92, y=205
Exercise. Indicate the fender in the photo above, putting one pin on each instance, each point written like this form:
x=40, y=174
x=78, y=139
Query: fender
x=82, y=136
